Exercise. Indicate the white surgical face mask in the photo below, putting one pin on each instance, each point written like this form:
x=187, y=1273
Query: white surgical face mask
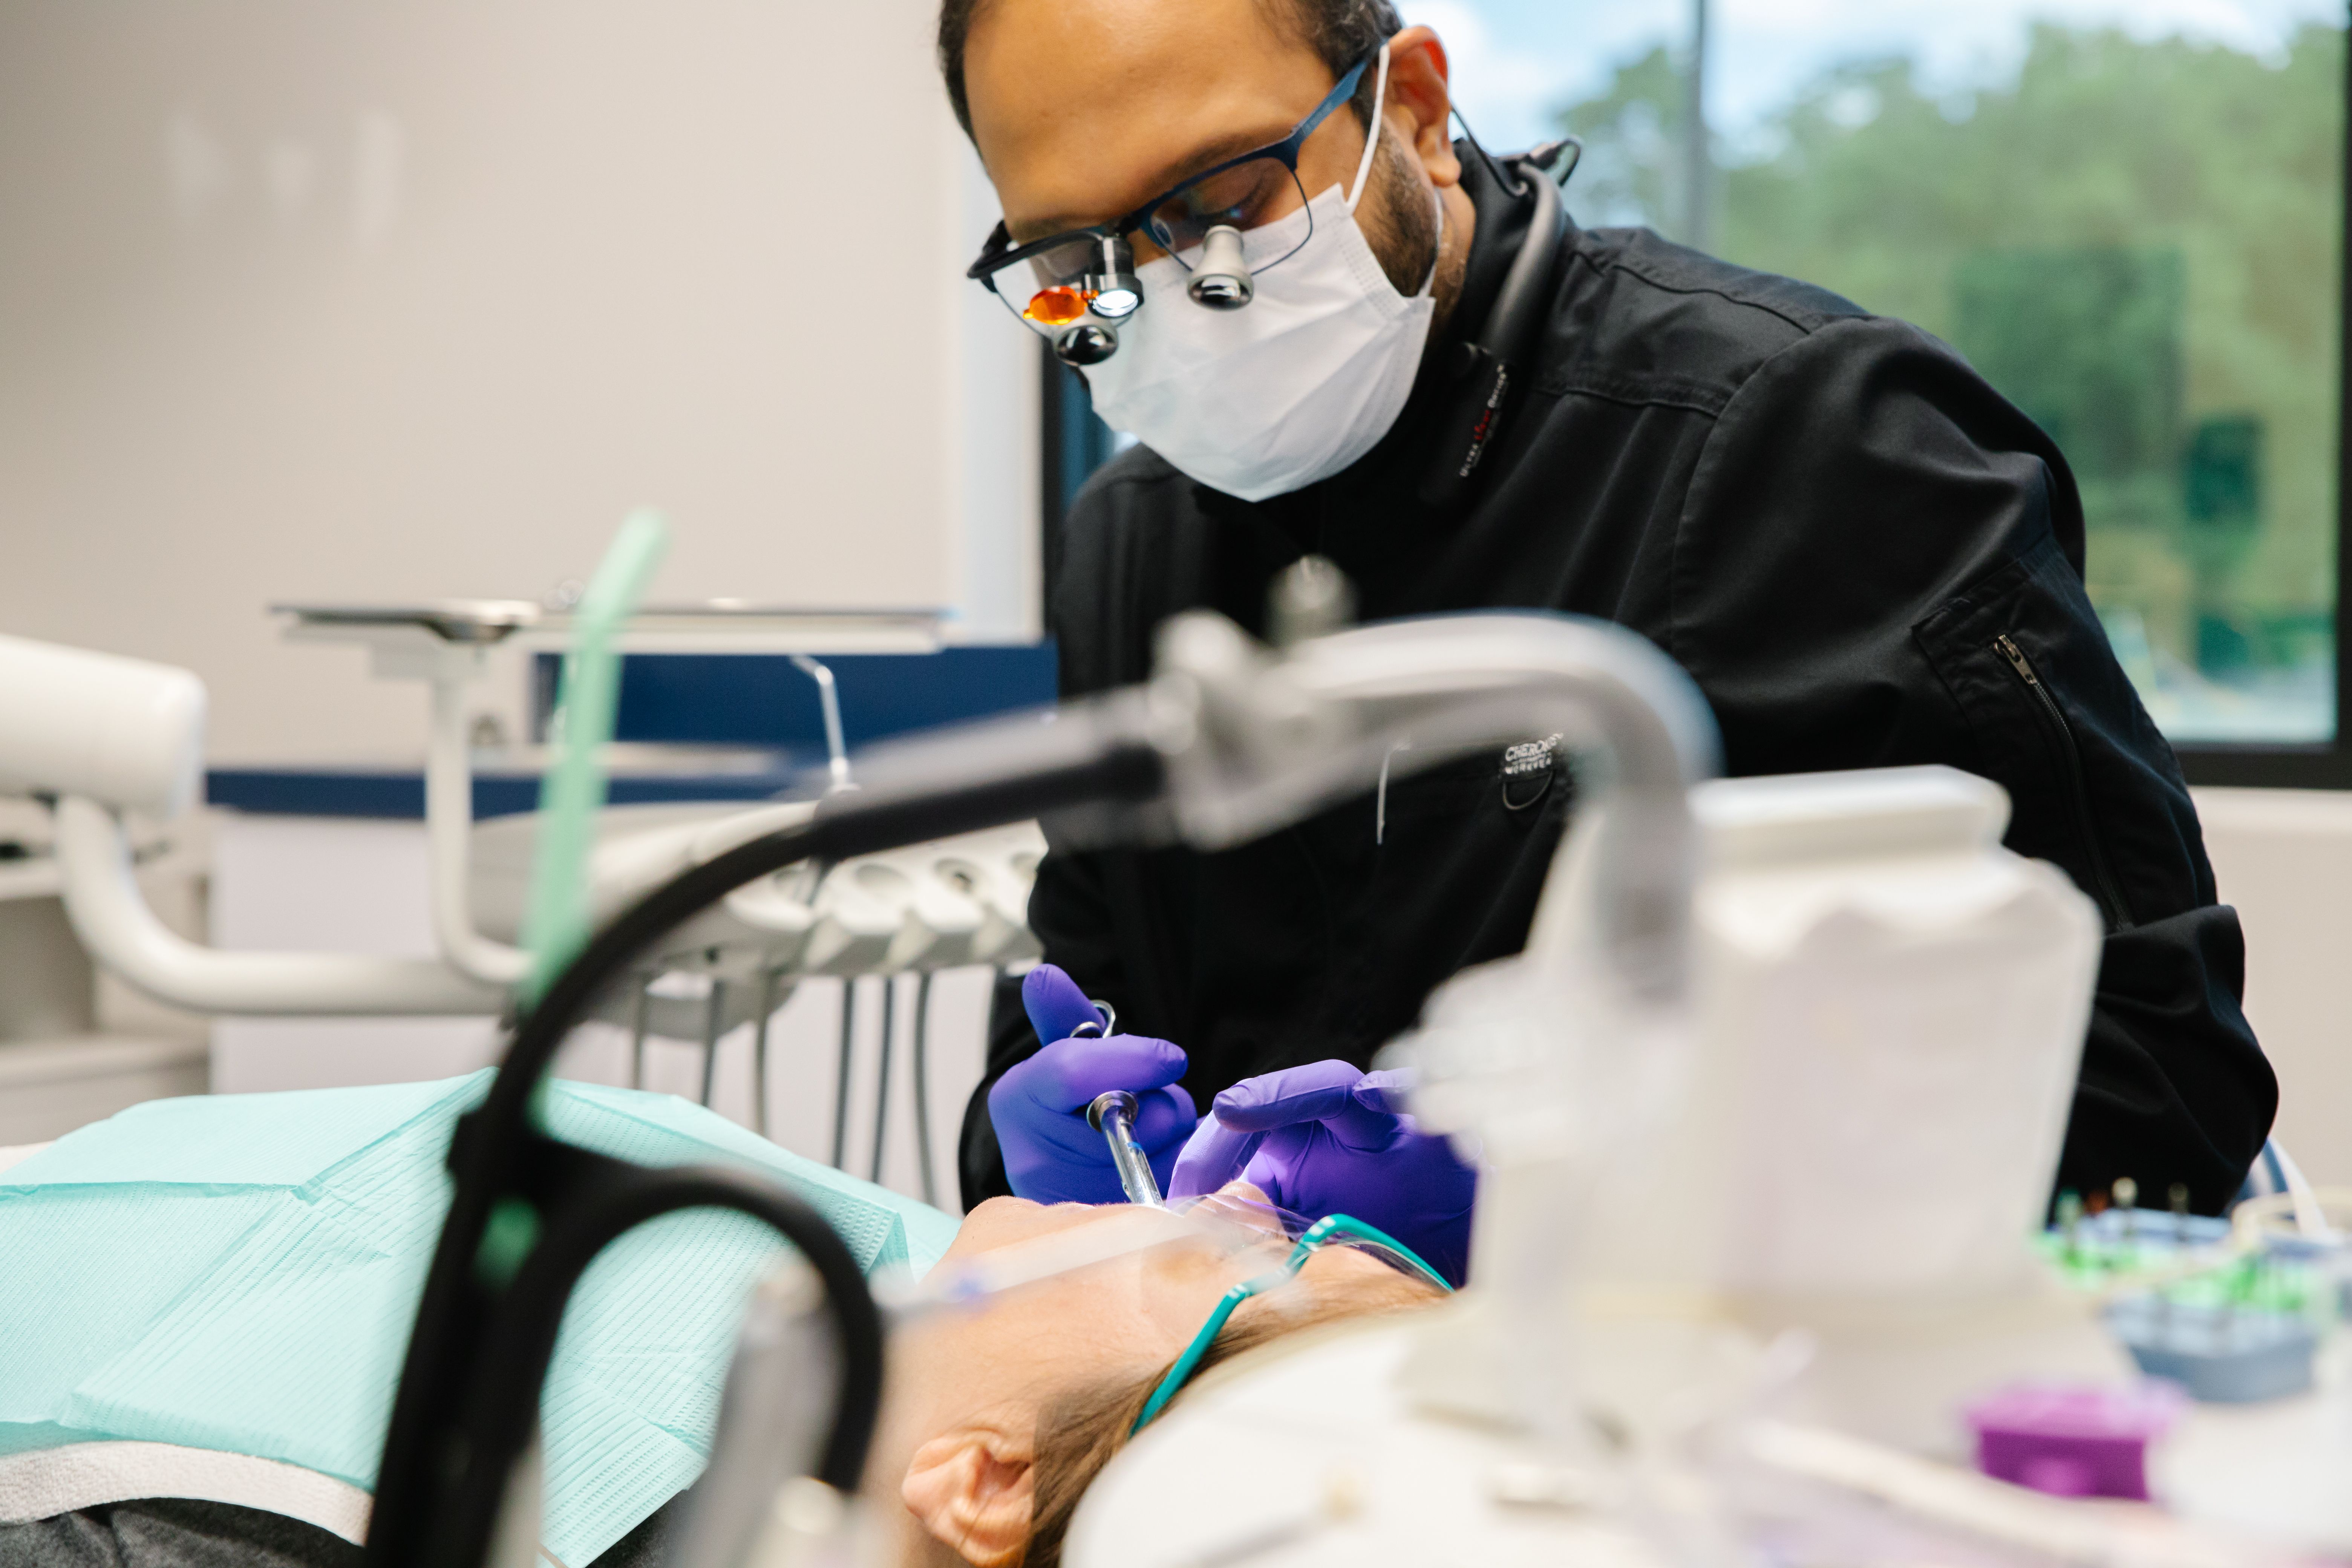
x=1292, y=388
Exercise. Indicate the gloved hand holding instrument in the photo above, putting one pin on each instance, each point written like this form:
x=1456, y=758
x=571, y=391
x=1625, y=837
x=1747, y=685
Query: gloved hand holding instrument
x=1039, y=1106
x=1329, y=1137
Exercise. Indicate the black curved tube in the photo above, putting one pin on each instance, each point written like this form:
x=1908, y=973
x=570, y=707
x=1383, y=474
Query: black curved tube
x=504, y=1404
x=432, y=1454
x=1520, y=303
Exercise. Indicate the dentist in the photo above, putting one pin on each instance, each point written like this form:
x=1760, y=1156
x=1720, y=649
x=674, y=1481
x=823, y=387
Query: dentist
x=1338, y=331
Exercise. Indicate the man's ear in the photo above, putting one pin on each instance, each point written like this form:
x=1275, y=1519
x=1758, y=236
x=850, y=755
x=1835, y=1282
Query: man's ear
x=975, y=1490
x=1419, y=101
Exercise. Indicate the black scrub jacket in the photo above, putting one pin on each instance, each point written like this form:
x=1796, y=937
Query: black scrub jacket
x=1864, y=556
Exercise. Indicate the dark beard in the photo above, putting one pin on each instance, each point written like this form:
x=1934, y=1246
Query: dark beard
x=1398, y=220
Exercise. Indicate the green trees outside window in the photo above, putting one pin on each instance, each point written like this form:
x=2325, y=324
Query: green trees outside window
x=2137, y=242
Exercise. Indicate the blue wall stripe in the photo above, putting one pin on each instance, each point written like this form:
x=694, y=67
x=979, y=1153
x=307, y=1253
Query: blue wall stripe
x=759, y=701
x=400, y=796
x=763, y=699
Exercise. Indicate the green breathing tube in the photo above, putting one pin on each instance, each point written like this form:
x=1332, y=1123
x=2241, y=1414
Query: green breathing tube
x=1316, y=1235
x=556, y=923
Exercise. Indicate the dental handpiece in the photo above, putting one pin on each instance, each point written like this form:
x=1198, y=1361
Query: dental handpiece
x=1112, y=1114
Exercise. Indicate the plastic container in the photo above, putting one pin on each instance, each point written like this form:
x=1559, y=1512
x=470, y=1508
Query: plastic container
x=2074, y=1440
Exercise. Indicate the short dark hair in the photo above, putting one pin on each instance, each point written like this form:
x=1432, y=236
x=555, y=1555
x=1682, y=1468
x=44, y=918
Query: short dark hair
x=1341, y=31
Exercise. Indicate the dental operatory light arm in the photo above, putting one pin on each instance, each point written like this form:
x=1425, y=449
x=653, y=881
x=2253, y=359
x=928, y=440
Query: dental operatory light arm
x=100, y=736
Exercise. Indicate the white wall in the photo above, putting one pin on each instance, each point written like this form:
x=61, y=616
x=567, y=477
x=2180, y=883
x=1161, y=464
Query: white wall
x=371, y=301
x=2284, y=858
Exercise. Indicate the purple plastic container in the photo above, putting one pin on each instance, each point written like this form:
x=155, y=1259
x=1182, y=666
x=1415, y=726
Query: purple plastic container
x=2073, y=1439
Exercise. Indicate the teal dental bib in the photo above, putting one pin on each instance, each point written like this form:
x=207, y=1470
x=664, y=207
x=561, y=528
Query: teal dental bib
x=241, y=1273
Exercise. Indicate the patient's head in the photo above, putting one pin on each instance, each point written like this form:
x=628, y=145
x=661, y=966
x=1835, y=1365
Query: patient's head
x=998, y=1419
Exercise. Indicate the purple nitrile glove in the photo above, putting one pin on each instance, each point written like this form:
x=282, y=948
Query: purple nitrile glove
x=1039, y=1105
x=1328, y=1137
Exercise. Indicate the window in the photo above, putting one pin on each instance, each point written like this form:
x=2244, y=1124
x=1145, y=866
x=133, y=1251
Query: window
x=2128, y=214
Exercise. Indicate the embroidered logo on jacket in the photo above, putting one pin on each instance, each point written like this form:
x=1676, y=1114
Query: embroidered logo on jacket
x=1531, y=756
x=1527, y=772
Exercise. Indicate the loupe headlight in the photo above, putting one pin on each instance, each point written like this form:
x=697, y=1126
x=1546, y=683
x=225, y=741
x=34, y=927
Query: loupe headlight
x=1115, y=291
x=1115, y=296
x=1111, y=294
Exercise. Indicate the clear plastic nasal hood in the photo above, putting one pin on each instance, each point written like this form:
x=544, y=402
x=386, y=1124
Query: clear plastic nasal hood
x=1217, y=1240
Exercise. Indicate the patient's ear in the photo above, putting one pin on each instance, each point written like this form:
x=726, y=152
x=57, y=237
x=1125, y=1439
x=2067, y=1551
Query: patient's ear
x=974, y=1490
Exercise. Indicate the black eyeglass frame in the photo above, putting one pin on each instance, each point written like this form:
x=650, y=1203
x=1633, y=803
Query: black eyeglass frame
x=995, y=255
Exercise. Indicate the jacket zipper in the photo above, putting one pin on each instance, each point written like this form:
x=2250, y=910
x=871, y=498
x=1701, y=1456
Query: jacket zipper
x=2110, y=897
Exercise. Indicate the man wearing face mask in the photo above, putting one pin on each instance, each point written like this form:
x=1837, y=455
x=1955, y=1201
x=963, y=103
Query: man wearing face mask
x=1396, y=352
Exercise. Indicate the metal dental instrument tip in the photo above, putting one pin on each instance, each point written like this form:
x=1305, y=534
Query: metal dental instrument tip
x=1112, y=1114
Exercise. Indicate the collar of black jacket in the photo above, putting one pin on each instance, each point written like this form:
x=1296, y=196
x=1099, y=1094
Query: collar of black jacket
x=1391, y=469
